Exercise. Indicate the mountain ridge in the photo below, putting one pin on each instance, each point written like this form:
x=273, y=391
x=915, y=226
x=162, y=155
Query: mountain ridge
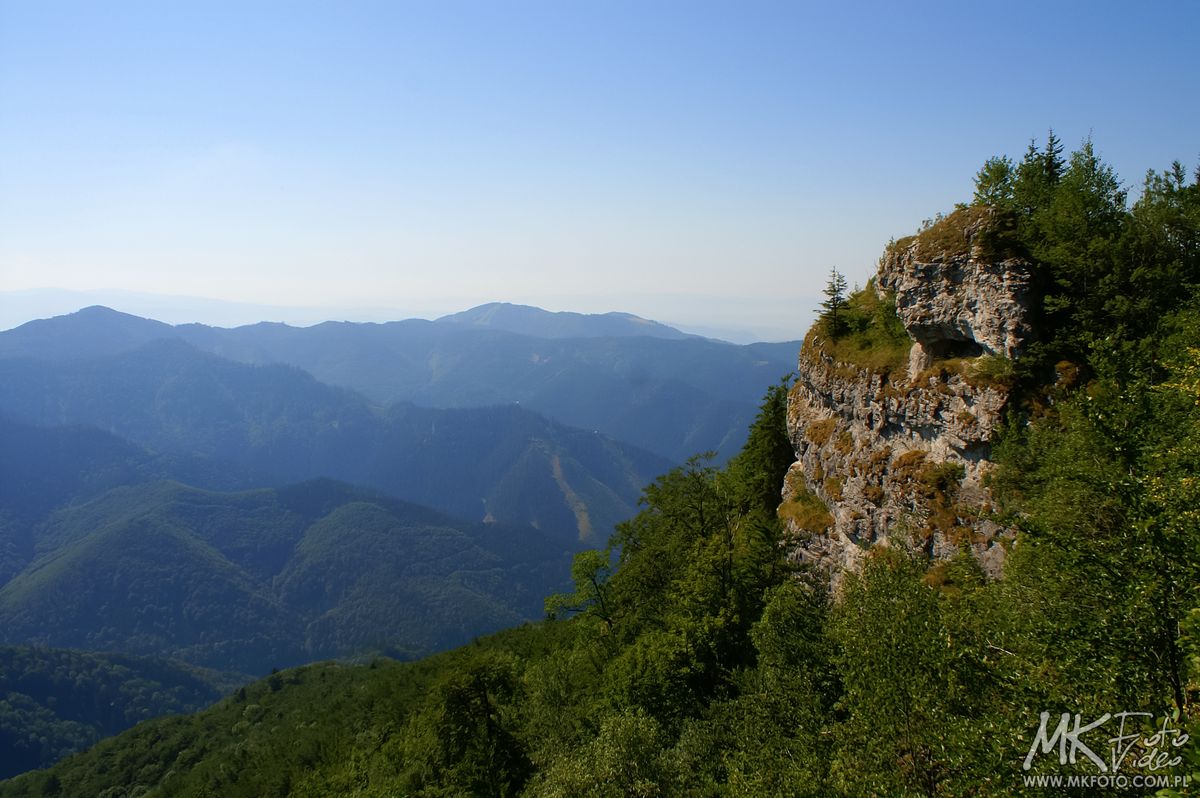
x=539, y=323
x=278, y=424
x=675, y=397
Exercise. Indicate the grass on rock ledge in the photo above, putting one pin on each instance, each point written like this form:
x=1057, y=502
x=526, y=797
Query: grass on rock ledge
x=867, y=334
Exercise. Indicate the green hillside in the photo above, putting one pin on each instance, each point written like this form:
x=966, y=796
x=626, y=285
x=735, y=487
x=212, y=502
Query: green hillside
x=55, y=702
x=244, y=582
x=44, y=468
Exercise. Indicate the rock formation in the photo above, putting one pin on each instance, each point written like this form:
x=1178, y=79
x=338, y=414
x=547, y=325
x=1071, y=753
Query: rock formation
x=902, y=446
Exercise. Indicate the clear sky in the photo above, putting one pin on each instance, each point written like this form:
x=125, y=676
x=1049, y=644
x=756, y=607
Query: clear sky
x=694, y=162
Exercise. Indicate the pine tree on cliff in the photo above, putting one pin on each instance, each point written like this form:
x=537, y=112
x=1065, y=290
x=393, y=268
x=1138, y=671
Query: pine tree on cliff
x=835, y=302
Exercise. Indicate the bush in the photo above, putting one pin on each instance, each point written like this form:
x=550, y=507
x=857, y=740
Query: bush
x=806, y=510
x=994, y=370
x=870, y=335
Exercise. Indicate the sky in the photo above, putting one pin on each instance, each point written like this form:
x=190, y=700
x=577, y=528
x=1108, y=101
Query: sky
x=700, y=163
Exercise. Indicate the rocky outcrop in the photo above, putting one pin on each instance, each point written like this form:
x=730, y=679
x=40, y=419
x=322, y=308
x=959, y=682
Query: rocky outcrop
x=956, y=293
x=904, y=448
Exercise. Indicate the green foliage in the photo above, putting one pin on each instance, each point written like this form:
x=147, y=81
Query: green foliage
x=779, y=717
x=1107, y=488
x=624, y=759
x=462, y=738
x=993, y=370
x=994, y=182
x=755, y=475
x=590, y=572
x=892, y=662
x=835, y=302
x=55, y=702
x=870, y=334
x=246, y=581
x=1037, y=176
x=1106, y=272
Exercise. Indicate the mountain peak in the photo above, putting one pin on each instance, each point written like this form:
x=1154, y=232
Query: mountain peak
x=88, y=332
x=100, y=313
x=539, y=323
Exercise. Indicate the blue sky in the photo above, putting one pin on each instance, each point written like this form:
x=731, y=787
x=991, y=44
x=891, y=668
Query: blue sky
x=702, y=163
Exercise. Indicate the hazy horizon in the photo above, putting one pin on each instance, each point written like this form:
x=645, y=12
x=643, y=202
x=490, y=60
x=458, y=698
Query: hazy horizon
x=19, y=307
x=700, y=164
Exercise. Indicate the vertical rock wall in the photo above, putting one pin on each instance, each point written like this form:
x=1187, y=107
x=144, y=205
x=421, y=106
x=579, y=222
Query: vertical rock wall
x=883, y=452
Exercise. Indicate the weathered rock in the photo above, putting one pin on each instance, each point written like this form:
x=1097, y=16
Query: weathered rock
x=895, y=452
x=957, y=301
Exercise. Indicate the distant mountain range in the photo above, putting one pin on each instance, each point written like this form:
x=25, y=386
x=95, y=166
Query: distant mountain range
x=276, y=424
x=538, y=323
x=99, y=330
x=741, y=320
x=673, y=394
x=267, y=495
x=264, y=496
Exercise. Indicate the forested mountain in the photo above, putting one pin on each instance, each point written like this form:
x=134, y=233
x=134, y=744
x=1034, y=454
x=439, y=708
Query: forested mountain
x=672, y=397
x=42, y=468
x=89, y=332
x=697, y=656
x=277, y=424
x=272, y=577
x=55, y=702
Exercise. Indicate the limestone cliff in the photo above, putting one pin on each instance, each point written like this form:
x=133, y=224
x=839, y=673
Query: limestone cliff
x=893, y=413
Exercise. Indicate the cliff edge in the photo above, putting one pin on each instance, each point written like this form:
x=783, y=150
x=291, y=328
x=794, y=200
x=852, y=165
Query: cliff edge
x=899, y=396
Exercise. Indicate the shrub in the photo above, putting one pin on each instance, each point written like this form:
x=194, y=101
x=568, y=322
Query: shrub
x=994, y=370
x=806, y=510
x=992, y=232
x=833, y=488
x=870, y=335
x=819, y=432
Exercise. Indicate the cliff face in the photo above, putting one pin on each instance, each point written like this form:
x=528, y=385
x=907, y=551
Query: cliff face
x=903, y=448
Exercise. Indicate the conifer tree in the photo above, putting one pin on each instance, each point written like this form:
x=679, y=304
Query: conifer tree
x=994, y=182
x=1052, y=157
x=835, y=301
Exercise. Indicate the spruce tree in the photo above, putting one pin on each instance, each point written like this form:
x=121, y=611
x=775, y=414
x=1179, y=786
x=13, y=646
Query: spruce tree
x=835, y=301
x=1052, y=158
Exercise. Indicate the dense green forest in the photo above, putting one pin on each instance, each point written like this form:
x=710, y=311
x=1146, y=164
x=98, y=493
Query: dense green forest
x=243, y=582
x=55, y=702
x=692, y=656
